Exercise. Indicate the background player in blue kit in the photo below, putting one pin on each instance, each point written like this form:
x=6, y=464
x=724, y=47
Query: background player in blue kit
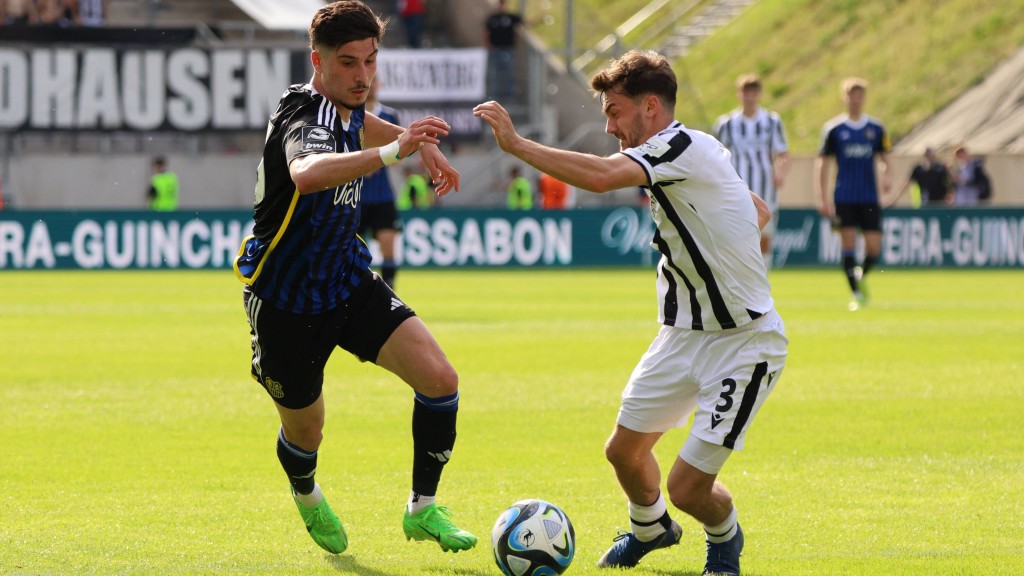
x=379, y=213
x=308, y=287
x=854, y=140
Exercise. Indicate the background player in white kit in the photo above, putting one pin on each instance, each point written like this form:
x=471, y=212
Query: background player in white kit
x=722, y=346
x=757, y=141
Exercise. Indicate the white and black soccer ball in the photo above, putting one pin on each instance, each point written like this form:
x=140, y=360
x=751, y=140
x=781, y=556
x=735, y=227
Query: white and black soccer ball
x=533, y=538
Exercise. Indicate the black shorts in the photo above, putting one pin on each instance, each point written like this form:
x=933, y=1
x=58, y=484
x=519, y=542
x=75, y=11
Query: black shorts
x=377, y=217
x=289, y=351
x=867, y=217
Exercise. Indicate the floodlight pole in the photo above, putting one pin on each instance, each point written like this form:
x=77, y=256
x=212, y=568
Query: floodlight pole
x=568, y=34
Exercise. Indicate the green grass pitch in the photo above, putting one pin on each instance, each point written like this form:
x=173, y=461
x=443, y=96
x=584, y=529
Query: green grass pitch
x=134, y=442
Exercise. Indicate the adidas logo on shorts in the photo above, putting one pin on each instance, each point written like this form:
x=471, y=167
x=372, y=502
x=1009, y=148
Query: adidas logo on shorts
x=396, y=303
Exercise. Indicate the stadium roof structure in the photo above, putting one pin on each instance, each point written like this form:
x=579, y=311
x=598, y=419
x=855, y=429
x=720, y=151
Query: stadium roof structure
x=988, y=117
x=277, y=15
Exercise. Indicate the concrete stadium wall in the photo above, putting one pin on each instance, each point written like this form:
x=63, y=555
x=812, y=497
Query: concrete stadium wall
x=1005, y=170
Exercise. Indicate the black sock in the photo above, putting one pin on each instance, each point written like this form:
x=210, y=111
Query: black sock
x=298, y=464
x=849, y=263
x=388, y=269
x=869, y=263
x=433, y=437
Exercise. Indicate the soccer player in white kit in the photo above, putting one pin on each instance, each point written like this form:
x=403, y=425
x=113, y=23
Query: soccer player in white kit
x=757, y=141
x=722, y=345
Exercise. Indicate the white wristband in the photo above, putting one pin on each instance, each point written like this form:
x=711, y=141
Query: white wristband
x=389, y=154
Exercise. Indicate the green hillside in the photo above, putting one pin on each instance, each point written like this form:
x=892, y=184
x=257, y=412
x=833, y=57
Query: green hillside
x=917, y=55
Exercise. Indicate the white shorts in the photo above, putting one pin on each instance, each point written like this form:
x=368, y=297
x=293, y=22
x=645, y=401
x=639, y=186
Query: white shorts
x=726, y=375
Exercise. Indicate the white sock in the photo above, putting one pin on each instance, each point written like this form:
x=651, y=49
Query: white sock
x=644, y=520
x=724, y=531
x=311, y=499
x=418, y=502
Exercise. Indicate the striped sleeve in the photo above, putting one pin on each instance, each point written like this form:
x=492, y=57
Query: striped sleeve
x=309, y=131
x=658, y=157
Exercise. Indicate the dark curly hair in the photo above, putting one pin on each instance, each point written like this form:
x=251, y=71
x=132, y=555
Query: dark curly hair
x=637, y=73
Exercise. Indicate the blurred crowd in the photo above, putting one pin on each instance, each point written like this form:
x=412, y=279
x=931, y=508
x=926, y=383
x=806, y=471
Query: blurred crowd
x=61, y=13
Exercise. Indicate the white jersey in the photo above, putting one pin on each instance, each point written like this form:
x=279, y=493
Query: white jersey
x=711, y=275
x=754, y=143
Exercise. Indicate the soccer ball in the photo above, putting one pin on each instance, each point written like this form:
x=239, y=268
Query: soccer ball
x=533, y=538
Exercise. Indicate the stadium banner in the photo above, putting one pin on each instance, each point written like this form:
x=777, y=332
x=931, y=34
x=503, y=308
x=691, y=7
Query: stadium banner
x=445, y=238
x=437, y=76
x=121, y=240
x=926, y=237
x=191, y=89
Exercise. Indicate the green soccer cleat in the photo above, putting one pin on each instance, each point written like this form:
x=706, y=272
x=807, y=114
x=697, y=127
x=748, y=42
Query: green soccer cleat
x=434, y=523
x=324, y=527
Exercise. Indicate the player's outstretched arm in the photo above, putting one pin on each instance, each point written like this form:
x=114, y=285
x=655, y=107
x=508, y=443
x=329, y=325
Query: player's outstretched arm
x=587, y=171
x=317, y=172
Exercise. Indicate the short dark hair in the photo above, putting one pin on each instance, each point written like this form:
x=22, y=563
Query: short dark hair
x=345, y=21
x=636, y=73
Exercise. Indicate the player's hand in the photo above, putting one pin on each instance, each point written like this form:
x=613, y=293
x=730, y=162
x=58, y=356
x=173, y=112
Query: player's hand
x=442, y=174
x=423, y=131
x=827, y=210
x=501, y=123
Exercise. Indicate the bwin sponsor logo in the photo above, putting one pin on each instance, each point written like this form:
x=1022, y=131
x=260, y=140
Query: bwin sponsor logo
x=318, y=134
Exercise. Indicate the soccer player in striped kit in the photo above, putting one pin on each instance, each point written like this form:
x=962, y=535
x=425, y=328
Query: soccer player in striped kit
x=308, y=288
x=856, y=141
x=722, y=346
x=757, y=141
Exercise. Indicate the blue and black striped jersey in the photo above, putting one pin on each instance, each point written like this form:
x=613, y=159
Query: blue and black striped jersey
x=376, y=186
x=854, y=146
x=304, y=252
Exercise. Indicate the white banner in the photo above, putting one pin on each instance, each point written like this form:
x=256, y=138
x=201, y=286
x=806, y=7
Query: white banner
x=424, y=76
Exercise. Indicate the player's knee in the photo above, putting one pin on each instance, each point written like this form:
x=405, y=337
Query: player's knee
x=684, y=499
x=308, y=438
x=693, y=497
x=620, y=455
x=443, y=381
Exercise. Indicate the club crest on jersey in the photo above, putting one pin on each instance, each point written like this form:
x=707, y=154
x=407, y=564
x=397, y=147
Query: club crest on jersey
x=318, y=139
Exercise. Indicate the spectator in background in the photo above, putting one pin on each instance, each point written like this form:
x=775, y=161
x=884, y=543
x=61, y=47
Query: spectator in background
x=554, y=194
x=972, y=183
x=60, y=13
x=932, y=179
x=415, y=191
x=520, y=193
x=19, y=12
x=163, y=187
x=412, y=13
x=378, y=212
x=92, y=13
x=500, y=40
